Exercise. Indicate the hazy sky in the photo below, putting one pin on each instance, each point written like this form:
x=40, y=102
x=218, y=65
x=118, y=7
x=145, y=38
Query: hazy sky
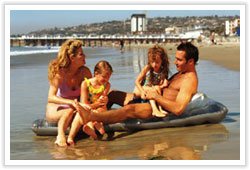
x=24, y=21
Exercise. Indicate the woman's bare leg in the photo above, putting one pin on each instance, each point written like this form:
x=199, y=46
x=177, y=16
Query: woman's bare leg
x=63, y=117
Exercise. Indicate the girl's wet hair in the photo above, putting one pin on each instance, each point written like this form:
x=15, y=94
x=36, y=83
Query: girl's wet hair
x=103, y=66
x=152, y=54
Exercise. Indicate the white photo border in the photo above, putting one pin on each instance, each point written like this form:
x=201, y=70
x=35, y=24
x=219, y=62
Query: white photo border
x=6, y=44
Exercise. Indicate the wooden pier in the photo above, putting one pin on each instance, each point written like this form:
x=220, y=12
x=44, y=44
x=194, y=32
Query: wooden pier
x=96, y=40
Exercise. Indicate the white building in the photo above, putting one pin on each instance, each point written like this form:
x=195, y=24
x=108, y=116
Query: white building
x=138, y=23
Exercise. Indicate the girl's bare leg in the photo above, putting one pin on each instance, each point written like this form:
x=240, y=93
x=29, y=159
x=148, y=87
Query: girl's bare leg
x=90, y=130
x=99, y=125
x=156, y=112
x=75, y=126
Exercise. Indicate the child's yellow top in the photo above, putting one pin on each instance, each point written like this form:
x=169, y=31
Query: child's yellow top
x=94, y=93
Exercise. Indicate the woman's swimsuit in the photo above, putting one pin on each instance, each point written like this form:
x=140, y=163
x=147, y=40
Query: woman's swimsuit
x=66, y=92
x=94, y=93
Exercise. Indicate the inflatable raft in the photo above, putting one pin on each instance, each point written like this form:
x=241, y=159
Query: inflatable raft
x=200, y=110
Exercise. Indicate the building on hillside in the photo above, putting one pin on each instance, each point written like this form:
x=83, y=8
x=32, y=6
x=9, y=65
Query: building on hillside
x=138, y=24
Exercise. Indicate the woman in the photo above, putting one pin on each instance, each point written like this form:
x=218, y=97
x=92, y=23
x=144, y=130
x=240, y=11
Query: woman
x=65, y=74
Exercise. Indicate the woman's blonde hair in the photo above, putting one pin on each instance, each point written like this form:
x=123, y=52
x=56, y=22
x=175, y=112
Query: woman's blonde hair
x=68, y=48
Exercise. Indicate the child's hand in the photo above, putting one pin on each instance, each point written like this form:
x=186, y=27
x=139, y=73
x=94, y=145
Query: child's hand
x=103, y=100
x=164, y=84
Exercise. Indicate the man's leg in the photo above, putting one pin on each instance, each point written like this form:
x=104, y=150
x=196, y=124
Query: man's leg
x=141, y=111
x=119, y=97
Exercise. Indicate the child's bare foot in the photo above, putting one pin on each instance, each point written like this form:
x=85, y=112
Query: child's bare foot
x=99, y=126
x=61, y=141
x=89, y=131
x=162, y=111
x=70, y=142
x=159, y=114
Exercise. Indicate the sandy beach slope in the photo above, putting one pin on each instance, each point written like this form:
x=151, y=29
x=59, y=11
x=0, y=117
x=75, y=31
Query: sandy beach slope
x=226, y=55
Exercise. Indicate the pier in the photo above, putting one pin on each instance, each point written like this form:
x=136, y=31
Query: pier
x=97, y=40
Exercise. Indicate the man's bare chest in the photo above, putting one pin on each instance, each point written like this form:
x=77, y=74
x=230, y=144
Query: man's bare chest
x=176, y=81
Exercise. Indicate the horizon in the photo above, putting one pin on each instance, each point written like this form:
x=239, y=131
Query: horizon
x=25, y=21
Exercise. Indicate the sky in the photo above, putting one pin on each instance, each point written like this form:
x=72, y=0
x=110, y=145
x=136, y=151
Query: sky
x=25, y=21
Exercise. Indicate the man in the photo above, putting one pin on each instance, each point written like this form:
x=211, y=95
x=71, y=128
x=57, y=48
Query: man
x=176, y=96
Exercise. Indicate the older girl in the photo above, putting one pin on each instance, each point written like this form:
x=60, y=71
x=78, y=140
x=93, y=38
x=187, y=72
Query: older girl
x=153, y=75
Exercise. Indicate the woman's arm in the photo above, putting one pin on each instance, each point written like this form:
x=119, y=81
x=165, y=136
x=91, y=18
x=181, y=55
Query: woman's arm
x=53, y=98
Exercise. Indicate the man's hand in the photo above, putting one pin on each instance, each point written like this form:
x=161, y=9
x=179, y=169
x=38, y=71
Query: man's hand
x=151, y=93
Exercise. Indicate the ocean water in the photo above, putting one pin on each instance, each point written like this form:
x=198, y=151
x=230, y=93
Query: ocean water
x=28, y=98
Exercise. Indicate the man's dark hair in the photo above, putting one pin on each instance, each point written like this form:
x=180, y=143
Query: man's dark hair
x=191, y=51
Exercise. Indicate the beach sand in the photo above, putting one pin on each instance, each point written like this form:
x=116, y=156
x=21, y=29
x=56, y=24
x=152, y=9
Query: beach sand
x=226, y=55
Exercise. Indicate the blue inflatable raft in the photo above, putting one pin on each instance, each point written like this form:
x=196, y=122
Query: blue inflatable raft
x=201, y=110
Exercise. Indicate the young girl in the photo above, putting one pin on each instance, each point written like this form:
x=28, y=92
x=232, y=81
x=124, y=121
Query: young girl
x=153, y=75
x=93, y=90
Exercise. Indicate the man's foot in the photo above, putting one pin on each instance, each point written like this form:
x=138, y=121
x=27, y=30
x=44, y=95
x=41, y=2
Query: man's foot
x=84, y=113
x=70, y=142
x=89, y=131
x=99, y=126
x=61, y=141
